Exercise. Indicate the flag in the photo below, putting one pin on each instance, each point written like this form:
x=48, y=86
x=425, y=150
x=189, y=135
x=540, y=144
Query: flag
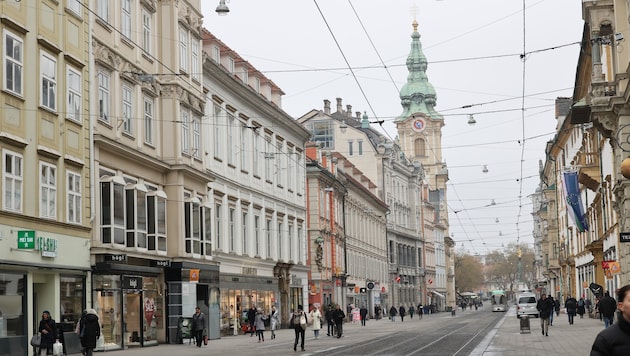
x=574, y=200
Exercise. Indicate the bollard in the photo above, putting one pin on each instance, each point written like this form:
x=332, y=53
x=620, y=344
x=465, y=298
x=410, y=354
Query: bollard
x=525, y=324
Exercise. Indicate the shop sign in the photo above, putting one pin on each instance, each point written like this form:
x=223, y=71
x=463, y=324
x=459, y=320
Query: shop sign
x=47, y=246
x=624, y=237
x=132, y=282
x=160, y=263
x=122, y=258
x=194, y=276
x=26, y=240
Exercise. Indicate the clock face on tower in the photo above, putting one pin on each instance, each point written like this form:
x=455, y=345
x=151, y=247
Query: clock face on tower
x=418, y=125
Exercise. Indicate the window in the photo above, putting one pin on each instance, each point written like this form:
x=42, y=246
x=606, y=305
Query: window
x=280, y=157
x=232, y=227
x=290, y=169
x=148, y=120
x=195, y=59
x=217, y=223
x=279, y=240
x=185, y=132
x=13, y=63
x=323, y=134
x=74, y=95
x=268, y=237
x=243, y=150
x=197, y=220
x=217, y=131
x=230, y=139
x=269, y=155
x=230, y=67
x=47, y=190
x=350, y=151
x=136, y=215
x=360, y=144
x=75, y=6
x=12, y=181
x=290, y=240
x=127, y=108
x=183, y=49
x=216, y=54
x=196, y=138
x=126, y=18
x=206, y=234
x=103, y=95
x=147, y=20
x=113, y=210
x=102, y=9
x=256, y=155
x=48, y=81
x=257, y=84
x=73, y=203
x=245, y=228
x=300, y=241
x=257, y=235
x=418, y=147
x=156, y=221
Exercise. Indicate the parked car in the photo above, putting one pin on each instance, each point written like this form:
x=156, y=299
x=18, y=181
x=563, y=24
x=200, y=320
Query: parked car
x=526, y=305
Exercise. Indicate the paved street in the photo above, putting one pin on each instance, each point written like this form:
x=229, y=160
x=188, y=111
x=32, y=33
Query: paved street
x=504, y=339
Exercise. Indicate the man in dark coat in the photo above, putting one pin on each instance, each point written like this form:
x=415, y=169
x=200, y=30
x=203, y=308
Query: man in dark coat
x=363, y=312
x=545, y=308
x=615, y=340
x=402, y=311
x=571, y=305
x=198, y=324
x=330, y=320
x=338, y=317
x=90, y=331
x=607, y=307
x=251, y=319
x=48, y=329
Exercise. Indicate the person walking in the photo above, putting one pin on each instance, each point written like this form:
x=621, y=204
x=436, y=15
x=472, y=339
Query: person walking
x=198, y=324
x=615, y=340
x=556, y=307
x=251, y=319
x=316, y=318
x=581, y=308
x=553, y=303
x=330, y=320
x=363, y=312
x=571, y=305
x=339, y=317
x=48, y=329
x=607, y=307
x=420, y=311
x=259, y=323
x=545, y=308
x=89, y=331
x=299, y=327
x=411, y=311
x=275, y=321
x=392, y=313
x=402, y=312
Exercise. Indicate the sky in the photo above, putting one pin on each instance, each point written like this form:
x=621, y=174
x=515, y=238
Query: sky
x=502, y=61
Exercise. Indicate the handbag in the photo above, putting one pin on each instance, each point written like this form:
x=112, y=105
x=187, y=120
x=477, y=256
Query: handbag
x=205, y=336
x=36, y=340
x=303, y=321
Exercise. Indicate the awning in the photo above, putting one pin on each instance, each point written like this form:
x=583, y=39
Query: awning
x=438, y=294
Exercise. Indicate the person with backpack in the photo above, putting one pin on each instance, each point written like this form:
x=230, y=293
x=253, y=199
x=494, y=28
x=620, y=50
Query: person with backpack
x=571, y=305
x=298, y=323
x=581, y=308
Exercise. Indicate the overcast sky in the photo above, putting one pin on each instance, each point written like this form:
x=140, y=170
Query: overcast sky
x=475, y=65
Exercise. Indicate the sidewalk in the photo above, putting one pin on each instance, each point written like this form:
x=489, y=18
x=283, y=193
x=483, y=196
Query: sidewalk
x=564, y=339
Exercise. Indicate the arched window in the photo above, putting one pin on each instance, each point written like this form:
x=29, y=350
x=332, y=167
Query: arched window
x=419, y=147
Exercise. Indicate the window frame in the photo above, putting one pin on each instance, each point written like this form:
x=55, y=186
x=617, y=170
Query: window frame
x=183, y=48
x=148, y=113
x=74, y=94
x=147, y=25
x=17, y=194
x=47, y=190
x=104, y=100
x=74, y=197
x=126, y=18
x=127, y=108
x=48, y=81
x=17, y=80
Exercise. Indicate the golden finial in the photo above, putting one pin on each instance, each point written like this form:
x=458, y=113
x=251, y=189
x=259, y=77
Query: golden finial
x=415, y=26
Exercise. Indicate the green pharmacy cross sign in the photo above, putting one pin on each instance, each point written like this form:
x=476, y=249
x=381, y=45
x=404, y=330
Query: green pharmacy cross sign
x=26, y=240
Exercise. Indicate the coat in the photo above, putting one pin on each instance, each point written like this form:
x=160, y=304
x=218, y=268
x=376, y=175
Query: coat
x=198, y=321
x=316, y=317
x=259, y=321
x=614, y=340
x=90, y=328
x=50, y=337
x=545, y=308
x=571, y=305
x=275, y=319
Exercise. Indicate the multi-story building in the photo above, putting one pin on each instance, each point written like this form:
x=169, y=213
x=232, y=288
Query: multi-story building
x=47, y=204
x=256, y=154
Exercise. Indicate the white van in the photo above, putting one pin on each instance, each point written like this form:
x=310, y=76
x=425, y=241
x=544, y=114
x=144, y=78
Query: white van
x=526, y=305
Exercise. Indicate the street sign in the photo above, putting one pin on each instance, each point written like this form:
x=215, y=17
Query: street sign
x=26, y=240
x=370, y=285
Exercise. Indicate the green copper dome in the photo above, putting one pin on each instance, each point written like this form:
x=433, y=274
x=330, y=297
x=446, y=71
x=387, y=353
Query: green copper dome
x=417, y=95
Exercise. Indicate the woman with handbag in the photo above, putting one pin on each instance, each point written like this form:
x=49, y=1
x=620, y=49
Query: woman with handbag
x=90, y=331
x=48, y=330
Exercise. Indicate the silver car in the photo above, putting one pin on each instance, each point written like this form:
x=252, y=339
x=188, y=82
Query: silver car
x=526, y=305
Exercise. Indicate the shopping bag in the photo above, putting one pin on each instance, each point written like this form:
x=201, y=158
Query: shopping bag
x=57, y=349
x=205, y=336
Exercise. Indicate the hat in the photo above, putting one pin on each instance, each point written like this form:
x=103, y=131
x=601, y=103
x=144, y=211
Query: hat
x=46, y=312
x=300, y=307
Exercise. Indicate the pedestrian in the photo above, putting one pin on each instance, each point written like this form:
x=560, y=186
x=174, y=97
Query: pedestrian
x=556, y=307
x=402, y=312
x=48, y=329
x=607, y=307
x=571, y=305
x=275, y=321
x=392, y=313
x=349, y=311
x=251, y=319
x=411, y=310
x=553, y=303
x=89, y=331
x=198, y=324
x=330, y=320
x=316, y=319
x=259, y=324
x=545, y=308
x=339, y=317
x=298, y=326
x=363, y=312
x=420, y=311
x=581, y=308
x=615, y=340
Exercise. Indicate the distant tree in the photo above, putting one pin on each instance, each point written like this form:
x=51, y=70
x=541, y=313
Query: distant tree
x=468, y=276
x=503, y=269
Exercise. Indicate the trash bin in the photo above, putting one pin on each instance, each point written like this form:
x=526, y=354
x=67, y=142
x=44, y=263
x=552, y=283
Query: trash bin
x=525, y=324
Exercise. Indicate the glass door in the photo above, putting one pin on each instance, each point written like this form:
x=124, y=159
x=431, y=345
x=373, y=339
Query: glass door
x=133, y=317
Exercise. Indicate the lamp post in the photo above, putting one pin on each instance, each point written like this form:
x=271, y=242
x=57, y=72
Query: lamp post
x=222, y=9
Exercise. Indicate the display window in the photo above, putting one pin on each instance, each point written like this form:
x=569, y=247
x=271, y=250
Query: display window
x=12, y=302
x=72, y=300
x=107, y=303
x=234, y=304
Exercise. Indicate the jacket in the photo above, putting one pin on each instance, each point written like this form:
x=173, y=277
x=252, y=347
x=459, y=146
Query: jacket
x=316, y=318
x=90, y=328
x=338, y=316
x=259, y=322
x=198, y=321
x=614, y=340
x=544, y=307
x=607, y=306
x=50, y=337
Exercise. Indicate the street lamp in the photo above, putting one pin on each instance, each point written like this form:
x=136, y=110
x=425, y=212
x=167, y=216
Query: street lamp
x=222, y=9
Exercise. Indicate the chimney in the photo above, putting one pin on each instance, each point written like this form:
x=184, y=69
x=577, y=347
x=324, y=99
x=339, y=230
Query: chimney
x=311, y=150
x=339, y=108
x=358, y=115
x=326, y=106
x=349, y=110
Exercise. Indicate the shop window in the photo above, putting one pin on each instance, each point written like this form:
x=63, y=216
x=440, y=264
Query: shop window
x=72, y=300
x=12, y=308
